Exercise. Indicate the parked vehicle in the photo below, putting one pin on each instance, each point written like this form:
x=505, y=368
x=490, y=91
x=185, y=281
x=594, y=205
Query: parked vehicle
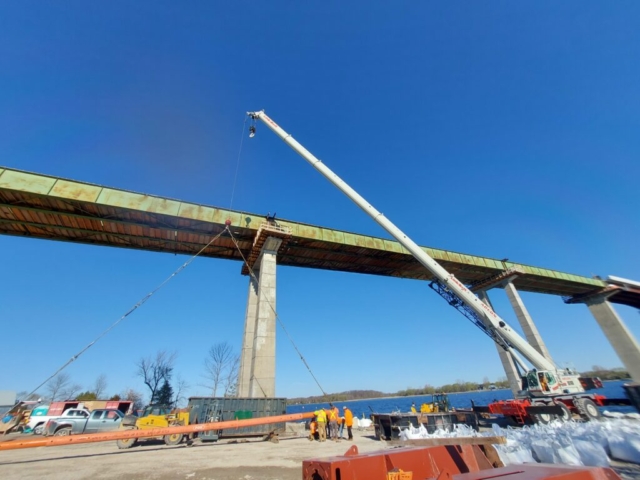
x=155, y=416
x=40, y=416
x=101, y=420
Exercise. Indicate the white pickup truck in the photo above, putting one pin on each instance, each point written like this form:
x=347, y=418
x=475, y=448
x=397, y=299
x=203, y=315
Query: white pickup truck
x=37, y=422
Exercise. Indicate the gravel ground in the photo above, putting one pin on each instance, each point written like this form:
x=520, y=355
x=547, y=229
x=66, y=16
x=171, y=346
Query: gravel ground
x=225, y=460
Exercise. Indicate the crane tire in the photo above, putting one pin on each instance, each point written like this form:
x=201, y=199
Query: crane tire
x=590, y=409
x=542, y=418
x=566, y=415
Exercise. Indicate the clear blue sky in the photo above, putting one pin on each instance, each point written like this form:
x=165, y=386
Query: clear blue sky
x=502, y=130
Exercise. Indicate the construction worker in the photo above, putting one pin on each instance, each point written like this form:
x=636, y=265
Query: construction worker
x=327, y=412
x=313, y=428
x=413, y=407
x=334, y=415
x=321, y=416
x=543, y=382
x=348, y=421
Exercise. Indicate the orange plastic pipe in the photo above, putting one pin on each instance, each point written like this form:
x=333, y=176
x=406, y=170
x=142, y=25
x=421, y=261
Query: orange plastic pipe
x=148, y=432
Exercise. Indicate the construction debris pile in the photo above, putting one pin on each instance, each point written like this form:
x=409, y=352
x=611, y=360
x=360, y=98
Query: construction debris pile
x=567, y=443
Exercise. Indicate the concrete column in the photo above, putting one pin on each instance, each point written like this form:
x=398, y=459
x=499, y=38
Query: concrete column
x=505, y=357
x=263, y=362
x=246, y=356
x=526, y=322
x=619, y=336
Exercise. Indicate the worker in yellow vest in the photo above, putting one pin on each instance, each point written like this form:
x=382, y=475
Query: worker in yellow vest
x=321, y=416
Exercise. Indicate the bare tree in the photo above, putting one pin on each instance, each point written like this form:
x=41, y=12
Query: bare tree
x=231, y=379
x=217, y=361
x=133, y=396
x=100, y=386
x=24, y=396
x=155, y=371
x=179, y=390
x=70, y=391
x=60, y=387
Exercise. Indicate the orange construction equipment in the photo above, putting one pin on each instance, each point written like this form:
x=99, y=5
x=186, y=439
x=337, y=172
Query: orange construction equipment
x=149, y=432
x=445, y=462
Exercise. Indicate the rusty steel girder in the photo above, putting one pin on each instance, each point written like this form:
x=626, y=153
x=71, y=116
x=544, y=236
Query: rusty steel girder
x=458, y=462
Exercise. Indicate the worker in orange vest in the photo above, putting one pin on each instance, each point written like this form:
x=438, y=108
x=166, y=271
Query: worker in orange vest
x=334, y=415
x=313, y=429
x=348, y=421
x=321, y=416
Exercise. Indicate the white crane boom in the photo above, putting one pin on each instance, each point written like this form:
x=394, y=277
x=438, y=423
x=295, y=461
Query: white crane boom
x=494, y=326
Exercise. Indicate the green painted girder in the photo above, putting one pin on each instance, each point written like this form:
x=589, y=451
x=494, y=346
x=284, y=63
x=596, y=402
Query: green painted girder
x=47, y=207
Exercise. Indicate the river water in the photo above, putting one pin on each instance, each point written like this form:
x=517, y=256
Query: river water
x=612, y=389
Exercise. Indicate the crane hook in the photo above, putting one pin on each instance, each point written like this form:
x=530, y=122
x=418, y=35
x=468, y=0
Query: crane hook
x=252, y=131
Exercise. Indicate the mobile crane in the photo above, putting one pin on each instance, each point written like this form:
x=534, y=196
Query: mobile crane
x=548, y=392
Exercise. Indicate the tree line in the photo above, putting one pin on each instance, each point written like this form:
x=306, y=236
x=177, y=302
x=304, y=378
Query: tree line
x=458, y=386
x=157, y=373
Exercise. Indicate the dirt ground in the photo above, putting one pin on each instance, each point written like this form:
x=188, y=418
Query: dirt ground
x=245, y=460
x=251, y=459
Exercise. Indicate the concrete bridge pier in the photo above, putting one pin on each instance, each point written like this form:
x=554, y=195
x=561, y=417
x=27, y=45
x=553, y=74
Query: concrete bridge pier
x=257, y=375
x=526, y=322
x=505, y=357
x=619, y=336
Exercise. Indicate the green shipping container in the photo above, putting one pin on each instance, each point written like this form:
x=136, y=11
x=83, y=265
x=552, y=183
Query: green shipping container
x=220, y=409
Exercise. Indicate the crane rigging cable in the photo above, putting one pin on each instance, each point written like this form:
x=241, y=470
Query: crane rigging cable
x=129, y=312
x=176, y=272
x=235, y=178
x=255, y=279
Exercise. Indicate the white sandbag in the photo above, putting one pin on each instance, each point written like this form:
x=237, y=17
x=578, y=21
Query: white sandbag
x=626, y=448
x=544, y=451
x=510, y=455
x=592, y=454
x=609, y=414
x=567, y=453
x=364, y=423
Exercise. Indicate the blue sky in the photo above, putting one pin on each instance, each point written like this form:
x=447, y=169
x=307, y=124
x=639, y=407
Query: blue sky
x=502, y=130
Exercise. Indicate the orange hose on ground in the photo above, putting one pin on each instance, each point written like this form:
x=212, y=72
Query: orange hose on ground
x=148, y=432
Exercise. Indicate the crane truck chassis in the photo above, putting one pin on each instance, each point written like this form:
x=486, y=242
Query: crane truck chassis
x=548, y=392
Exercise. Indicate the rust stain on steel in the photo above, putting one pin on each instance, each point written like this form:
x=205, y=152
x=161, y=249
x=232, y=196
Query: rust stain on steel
x=334, y=236
x=75, y=191
x=307, y=231
x=26, y=182
x=33, y=199
x=196, y=212
x=136, y=201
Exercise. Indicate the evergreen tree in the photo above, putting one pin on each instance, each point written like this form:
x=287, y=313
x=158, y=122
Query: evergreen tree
x=164, y=395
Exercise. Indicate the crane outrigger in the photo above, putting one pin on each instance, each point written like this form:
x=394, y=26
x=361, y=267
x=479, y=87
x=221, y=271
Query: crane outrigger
x=543, y=386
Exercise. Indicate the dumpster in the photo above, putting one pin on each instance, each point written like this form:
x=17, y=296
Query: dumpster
x=388, y=425
x=220, y=409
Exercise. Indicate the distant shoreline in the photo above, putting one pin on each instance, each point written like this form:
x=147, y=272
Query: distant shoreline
x=396, y=396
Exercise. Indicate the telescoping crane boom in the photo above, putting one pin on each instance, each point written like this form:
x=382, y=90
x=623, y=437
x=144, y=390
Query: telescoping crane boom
x=544, y=380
